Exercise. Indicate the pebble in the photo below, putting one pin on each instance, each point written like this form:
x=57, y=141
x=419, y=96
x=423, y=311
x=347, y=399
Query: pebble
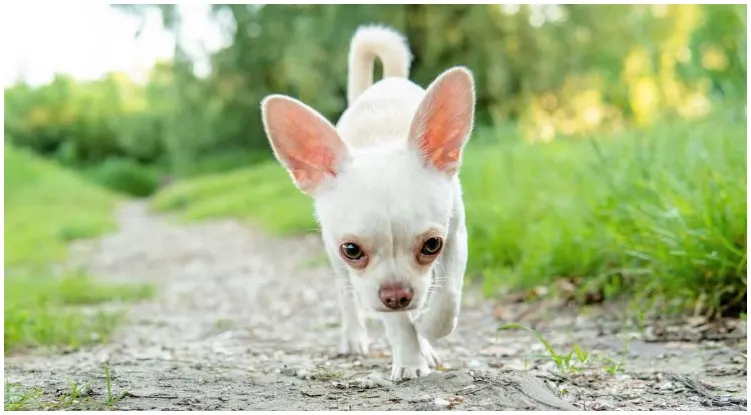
x=441, y=403
x=666, y=386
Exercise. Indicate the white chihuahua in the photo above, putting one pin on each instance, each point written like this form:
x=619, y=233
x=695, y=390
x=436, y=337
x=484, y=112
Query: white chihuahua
x=387, y=195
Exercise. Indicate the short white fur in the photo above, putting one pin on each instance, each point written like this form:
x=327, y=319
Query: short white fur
x=386, y=174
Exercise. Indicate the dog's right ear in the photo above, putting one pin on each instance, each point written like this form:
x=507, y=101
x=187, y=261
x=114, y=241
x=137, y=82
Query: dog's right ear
x=444, y=120
x=304, y=142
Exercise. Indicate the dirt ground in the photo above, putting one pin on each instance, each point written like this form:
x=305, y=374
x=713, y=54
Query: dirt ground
x=244, y=321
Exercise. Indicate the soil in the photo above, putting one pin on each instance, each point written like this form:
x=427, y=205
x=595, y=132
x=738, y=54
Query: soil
x=245, y=321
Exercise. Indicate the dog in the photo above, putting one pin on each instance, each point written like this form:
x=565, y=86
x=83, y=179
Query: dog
x=387, y=195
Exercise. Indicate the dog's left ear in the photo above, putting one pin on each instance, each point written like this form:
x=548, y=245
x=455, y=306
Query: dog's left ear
x=444, y=120
x=304, y=142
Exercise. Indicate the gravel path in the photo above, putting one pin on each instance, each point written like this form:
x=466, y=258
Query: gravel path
x=246, y=321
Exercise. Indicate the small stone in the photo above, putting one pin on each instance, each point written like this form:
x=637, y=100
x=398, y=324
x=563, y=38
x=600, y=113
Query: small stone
x=666, y=386
x=732, y=389
x=313, y=392
x=441, y=403
x=602, y=406
x=455, y=400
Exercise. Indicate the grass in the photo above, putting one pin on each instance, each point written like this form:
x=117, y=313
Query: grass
x=573, y=362
x=46, y=207
x=257, y=194
x=656, y=214
x=47, y=311
x=77, y=397
x=16, y=398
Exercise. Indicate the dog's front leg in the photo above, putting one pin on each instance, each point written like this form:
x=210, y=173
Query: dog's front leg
x=354, y=338
x=442, y=313
x=354, y=334
x=407, y=359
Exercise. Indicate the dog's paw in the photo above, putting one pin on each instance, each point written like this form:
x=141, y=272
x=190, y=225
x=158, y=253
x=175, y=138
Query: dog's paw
x=354, y=342
x=404, y=372
x=427, y=352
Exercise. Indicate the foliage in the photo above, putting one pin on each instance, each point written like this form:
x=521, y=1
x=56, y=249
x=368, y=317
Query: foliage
x=126, y=176
x=557, y=70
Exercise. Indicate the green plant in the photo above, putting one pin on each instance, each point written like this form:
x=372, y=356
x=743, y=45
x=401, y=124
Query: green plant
x=79, y=396
x=111, y=399
x=564, y=362
x=126, y=176
x=44, y=311
x=612, y=366
x=75, y=395
x=16, y=398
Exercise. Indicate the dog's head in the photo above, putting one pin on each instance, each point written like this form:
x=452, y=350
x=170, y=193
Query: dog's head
x=385, y=213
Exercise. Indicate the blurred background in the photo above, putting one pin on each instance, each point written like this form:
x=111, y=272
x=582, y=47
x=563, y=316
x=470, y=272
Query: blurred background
x=171, y=86
x=609, y=157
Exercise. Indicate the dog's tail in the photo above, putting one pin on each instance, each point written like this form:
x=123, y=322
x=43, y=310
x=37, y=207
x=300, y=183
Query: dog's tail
x=371, y=42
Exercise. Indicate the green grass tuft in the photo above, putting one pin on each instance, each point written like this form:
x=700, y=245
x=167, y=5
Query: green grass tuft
x=78, y=396
x=659, y=214
x=47, y=311
x=17, y=398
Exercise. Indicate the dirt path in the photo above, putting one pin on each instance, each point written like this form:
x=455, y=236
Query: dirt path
x=245, y=321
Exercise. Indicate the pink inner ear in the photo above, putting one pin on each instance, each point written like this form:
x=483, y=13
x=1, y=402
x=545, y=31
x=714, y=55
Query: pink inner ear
x=444, y=120
x=303, y=141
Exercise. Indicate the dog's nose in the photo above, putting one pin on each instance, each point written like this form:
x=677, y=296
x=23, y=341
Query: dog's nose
x=395, y=296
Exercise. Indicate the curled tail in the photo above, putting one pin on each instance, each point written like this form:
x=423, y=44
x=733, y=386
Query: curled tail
x=371, y=42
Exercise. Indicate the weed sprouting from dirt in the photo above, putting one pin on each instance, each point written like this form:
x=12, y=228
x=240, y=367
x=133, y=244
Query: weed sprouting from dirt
x=16, y=398
x=573, y=362
x=110, y=398
x=576, y=360
x=77, y=396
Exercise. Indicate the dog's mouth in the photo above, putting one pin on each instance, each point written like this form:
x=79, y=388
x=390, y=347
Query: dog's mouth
x=401, y=310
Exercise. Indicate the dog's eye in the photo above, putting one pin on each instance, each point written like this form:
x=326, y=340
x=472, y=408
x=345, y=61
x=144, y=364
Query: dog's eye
x=432, y=246
x=351, y=251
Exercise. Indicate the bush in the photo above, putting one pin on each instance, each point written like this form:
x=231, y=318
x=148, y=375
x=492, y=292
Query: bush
x=126, y=176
